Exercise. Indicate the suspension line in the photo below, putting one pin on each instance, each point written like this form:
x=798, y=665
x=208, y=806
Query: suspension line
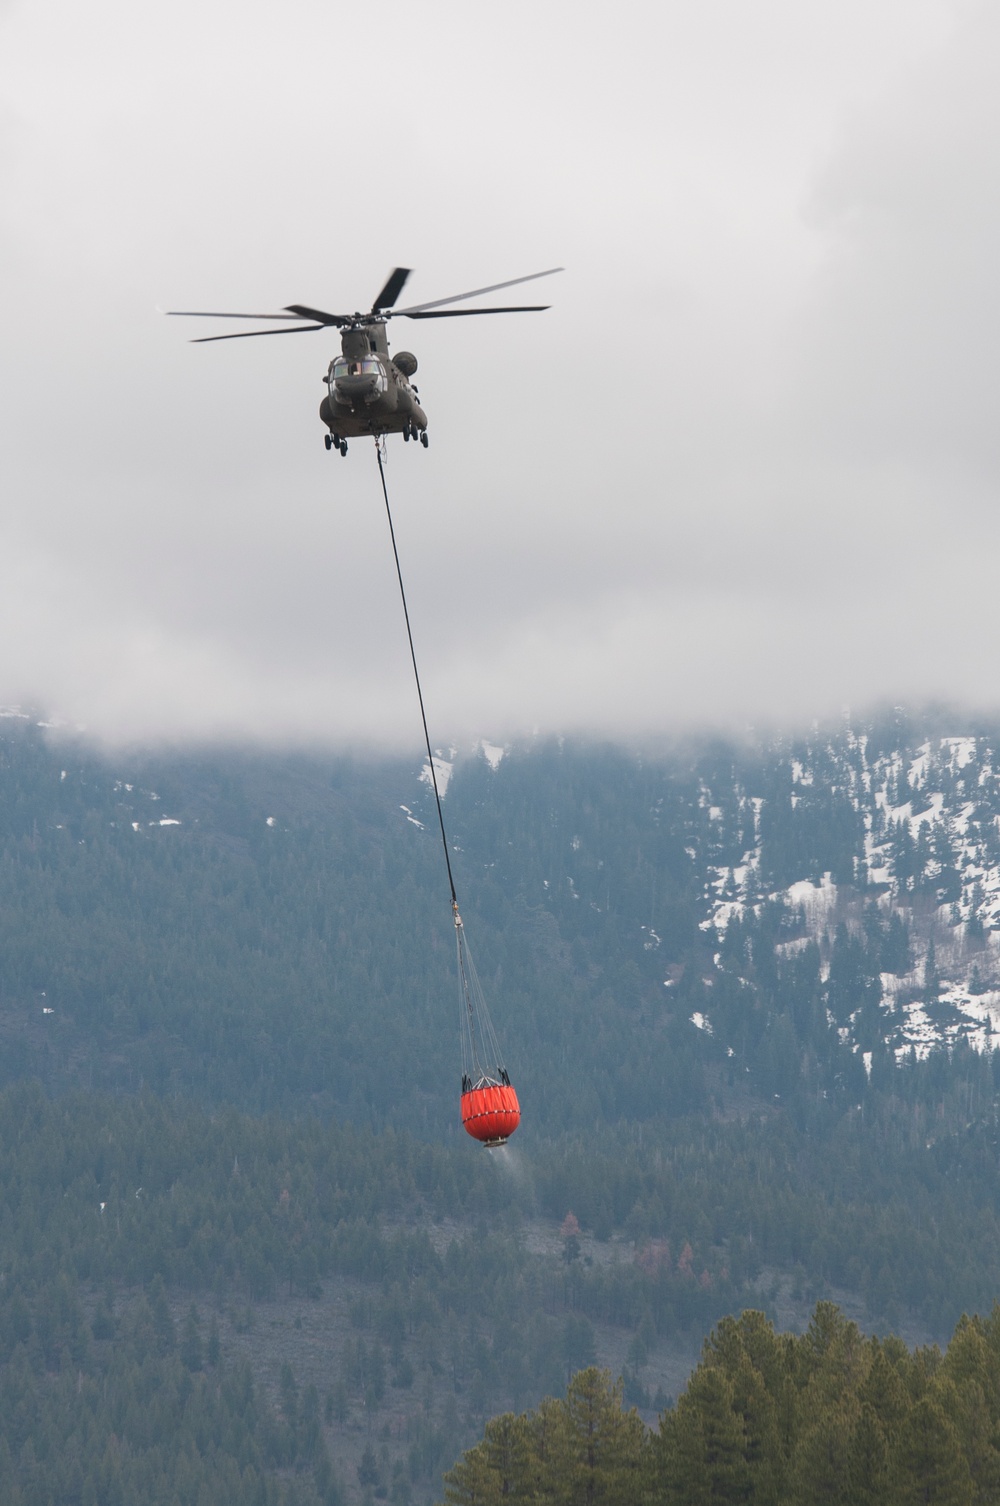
x=420, y=694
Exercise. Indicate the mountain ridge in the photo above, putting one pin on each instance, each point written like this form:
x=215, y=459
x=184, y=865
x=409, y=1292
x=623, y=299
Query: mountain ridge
x=647, y=928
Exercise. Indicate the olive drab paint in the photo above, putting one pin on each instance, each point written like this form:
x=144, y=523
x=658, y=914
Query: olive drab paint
x=369, y=392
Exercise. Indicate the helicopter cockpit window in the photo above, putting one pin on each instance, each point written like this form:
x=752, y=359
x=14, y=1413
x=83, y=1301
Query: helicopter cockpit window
x=365, y=367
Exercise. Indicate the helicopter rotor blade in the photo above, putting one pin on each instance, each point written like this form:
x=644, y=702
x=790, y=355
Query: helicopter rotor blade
x=493, y=288
x=393, y=287
x=383, y=305
x=524, y=308
x=201, y=314
x=248, y=334
x=300, y=311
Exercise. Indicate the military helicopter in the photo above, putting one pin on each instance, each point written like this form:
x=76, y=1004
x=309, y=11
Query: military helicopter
x=369, y=391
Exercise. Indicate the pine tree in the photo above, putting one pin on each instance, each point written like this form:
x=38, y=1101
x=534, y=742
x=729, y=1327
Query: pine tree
x=763, y=1450
x=472, y=1481
x=702, y=1458
x=966, y=1389
x=192, y=1350
x=368, y=1471
x=163, y=1323
x=868, y=1460
x=507, y=1444
x=928, y=1467
x=602, y=1447
x=819, y=1472
x=884, y=1391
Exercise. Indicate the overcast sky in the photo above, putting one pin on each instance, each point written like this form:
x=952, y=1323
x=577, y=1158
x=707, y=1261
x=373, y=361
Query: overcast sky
x=745, y=468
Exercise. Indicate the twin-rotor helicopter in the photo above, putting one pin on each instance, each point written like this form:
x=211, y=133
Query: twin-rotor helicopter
x=370, y=392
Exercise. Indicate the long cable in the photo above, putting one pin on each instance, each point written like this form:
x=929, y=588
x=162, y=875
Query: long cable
x=476, y=1017
x=416, y=676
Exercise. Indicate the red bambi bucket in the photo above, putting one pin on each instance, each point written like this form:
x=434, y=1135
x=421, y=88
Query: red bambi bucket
x=491, y=1113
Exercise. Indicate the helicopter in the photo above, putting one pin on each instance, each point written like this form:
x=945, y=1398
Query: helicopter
x=370, y=392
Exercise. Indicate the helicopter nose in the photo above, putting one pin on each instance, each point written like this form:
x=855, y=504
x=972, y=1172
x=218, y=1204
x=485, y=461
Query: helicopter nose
x=350, y=388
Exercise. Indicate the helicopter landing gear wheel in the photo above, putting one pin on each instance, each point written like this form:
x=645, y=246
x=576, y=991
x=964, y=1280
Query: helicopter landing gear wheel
x=423, y=438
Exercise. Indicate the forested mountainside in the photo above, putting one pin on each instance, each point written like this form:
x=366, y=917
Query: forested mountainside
x=655, y=936
x=276, y=931
x=745, y=992
x=215, y=1306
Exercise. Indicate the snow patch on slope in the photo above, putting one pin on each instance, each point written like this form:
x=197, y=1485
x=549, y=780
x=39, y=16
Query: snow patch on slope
x=443, y=770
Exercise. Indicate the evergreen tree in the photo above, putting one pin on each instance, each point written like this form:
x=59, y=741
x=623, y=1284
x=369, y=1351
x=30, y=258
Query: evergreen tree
x=702, y=1460
x=601, y=1452
x=507, y=1444
x=473, y=1481
x=820, y=1469
x=868, y=1474
x=192, y=1349
x=927, y=1466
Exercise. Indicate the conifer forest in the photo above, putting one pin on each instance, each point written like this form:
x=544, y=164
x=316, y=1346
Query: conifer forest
x=748, y=995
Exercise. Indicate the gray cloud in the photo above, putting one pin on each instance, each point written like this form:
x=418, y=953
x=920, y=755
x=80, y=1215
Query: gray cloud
x=744, y=467
x=901, y=344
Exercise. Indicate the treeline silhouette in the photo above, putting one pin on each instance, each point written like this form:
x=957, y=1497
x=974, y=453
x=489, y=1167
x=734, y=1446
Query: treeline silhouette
x=770, y=1419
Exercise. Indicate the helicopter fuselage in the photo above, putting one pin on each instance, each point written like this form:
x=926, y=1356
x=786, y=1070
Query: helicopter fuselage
x=367, y=391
